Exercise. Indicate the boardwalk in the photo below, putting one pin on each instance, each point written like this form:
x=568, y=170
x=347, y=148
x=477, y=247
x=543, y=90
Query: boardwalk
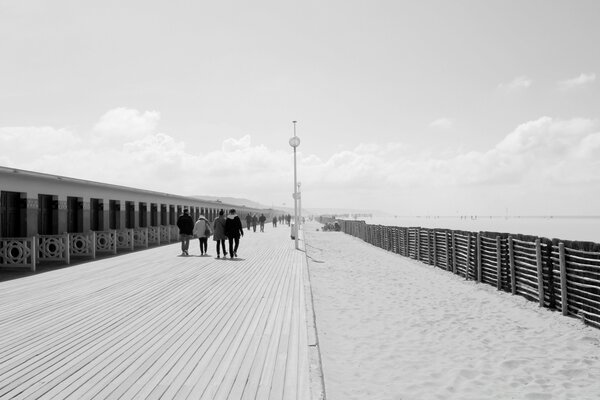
x=152, y=324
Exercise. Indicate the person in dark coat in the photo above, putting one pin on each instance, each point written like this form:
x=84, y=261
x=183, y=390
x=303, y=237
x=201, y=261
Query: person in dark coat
x=233, y=231
x=261, y=221
x=185, y=223
x=248, y=220
x=254, y=222
x=219, y=233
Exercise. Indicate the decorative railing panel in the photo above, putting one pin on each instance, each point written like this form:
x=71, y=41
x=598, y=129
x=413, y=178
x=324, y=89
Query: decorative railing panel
x=125, y=239
x=154, y=235
x=82, y=244
x=106, y=241
x=53, y=248
x=140, y=237
x=165, y=234
x=18, y=253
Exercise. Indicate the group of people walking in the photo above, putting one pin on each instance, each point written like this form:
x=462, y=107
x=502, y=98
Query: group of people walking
x=222, y=228
x=253, y=220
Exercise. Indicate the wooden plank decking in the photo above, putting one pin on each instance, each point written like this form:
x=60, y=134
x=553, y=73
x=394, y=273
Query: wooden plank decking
x=152, y=324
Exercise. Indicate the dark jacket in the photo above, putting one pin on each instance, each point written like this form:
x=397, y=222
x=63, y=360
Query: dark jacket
x=233, y=227
x=185, y=223
x=219, y=228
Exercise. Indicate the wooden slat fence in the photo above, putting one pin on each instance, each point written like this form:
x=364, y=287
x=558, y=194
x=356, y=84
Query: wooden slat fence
x=558, y=274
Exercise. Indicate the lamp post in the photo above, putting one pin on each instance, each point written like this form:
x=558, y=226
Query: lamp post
x=295, y=142
x=299, y=205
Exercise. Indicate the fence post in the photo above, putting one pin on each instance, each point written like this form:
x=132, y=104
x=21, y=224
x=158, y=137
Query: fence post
x=34, y=239
x=418, y=247
x=498, y=263
x=479, y=257
x=540, y=271
x=93, y=244
x=448, y=254
x=114, y=239
x=33, y=252
x=453, y=253
x=434, y=248
x=511, y=259
x=467, y=267
x=67, y=248
x=563, y=279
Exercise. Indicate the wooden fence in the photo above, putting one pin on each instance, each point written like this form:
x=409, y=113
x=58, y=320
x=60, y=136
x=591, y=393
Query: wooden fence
x=558, y=274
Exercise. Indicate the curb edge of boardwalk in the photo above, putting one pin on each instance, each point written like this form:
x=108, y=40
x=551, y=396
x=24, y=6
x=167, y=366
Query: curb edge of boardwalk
x=317, y=380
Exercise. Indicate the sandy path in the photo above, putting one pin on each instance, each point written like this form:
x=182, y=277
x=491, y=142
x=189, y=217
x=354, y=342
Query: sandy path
x=393, y=328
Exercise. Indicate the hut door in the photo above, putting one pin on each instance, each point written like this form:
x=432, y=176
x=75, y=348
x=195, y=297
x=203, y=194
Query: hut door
x=74, y=214
x=48, y=214
x=12, y=214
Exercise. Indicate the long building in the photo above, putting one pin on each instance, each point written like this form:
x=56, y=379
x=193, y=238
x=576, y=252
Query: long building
x=34, y=203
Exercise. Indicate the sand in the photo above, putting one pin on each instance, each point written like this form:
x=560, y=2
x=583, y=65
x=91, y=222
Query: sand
x=394, y=328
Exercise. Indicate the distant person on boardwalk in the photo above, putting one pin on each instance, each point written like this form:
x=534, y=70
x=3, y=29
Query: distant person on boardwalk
x=219, y=233
x=254, y=222
x=185, y=223
x=248, y=220
x=202, y=231
x=261, y=220
x=233, y=231
x=274, y=222
x=288, y=219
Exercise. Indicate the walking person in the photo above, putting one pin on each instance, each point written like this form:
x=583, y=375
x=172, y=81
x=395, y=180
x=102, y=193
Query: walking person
x=274, y=222
x=261, y=221
x=254, y=222
x=202, y=231
x=233, y=231
x=185, y=223
x=248, y=220
x=219, y=233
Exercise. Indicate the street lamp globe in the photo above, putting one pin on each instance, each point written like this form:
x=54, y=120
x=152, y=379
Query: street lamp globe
x=295, y=141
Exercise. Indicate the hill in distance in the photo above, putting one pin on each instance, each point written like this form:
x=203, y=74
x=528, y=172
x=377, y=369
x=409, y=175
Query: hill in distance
x=233, y=201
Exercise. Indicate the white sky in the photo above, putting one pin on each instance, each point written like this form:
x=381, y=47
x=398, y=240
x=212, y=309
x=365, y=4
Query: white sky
x=428, y=107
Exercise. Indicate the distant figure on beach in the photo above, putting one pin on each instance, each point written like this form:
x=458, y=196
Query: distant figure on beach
x=248, y=220
x=254, y=222
x=274, y=222
x=288, y=219
x=202, y=231
x=219, y=233
x=185, y=223
x=261, y=220
x=233, y=231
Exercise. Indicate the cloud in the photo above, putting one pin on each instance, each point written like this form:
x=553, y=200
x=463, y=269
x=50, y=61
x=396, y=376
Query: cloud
x=232, y=144
x=548, y=153
x=517, y=84
x=442, y=123
x=123, y=124
x=32, y=142
x=577, y=82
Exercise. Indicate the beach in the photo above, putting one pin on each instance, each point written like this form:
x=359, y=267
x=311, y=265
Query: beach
x=394, y=328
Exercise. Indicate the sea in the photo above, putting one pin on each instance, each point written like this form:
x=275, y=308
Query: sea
x=584, y=228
